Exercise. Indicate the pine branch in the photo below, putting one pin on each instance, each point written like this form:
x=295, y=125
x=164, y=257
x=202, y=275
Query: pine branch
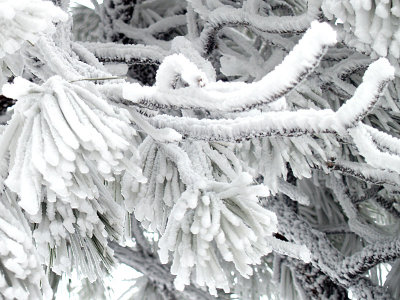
x=149, y=34
x=128, y=54
x=371, y=255
x=157, y=272
x=328, y=259
x=314, y=283
x=228, y=16
x=141, y=242
x=356, y=222
x=366, y=173
x=289, y=123
x=296, y=66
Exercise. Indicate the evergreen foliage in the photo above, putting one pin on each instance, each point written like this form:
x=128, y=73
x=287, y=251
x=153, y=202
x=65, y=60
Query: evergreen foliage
x=223, y=149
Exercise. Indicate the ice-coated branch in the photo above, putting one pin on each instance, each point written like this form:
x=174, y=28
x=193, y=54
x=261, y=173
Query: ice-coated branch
x=371, y=255
x=288, y=123
x=365, y=172
x=228, y=16
x=297, y=65
x=375, y=80
x=161, y=135
x=384, y=141
x=324, y=256
x=141, y=35
x=356, y=223
x=87, y=56
x=65, y=142
x=128, y=54
x=22, y=276
x=293, y=192
x=368, y=26
x=313, y=282
x=148, y=34
x=141, y=242
x=348, y=65
x=389, y=160
x=157, y=272
x=175, y=67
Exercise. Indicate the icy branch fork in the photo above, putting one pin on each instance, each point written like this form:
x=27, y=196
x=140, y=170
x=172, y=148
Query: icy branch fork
x=221, y=96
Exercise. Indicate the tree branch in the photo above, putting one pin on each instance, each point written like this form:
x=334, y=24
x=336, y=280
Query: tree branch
x=373, y=254
x=327, y=258
x=155, y=271
x=128, y=54
x=228, y=16
x=365, y=172
x=239, y=96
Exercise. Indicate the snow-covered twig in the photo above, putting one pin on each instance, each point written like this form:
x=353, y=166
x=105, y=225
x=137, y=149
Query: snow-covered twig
x=157, y=272
x=371, y=255
x=289, y=123
x=297, y=65
x=365, y=172
x=326, y=257
x=356, y=223
x=229, y=16
x=115, y=53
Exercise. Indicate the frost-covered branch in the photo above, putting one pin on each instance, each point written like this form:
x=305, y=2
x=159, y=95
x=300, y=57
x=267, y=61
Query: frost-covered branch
x=141, y=242
x=128, y=54
x=366, y=173
x=371, y=255
x=379, y=149
x=327, y=258
x=157, y=272
x=228, y=16
x=356, y=223
x=263, y=124
x=314, y=283
x=297, y=65
x=375, y=80
x=287, y=123
x=148, y=34
x=214, y=170
x=24, y=21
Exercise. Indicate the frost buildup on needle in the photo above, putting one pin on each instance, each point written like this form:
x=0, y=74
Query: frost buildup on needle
x=368, y=25
x=65, y=141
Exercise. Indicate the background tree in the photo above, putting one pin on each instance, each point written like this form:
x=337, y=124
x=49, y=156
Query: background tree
x=230, y=149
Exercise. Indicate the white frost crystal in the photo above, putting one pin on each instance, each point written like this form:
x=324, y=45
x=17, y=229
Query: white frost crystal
x=24, y=20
